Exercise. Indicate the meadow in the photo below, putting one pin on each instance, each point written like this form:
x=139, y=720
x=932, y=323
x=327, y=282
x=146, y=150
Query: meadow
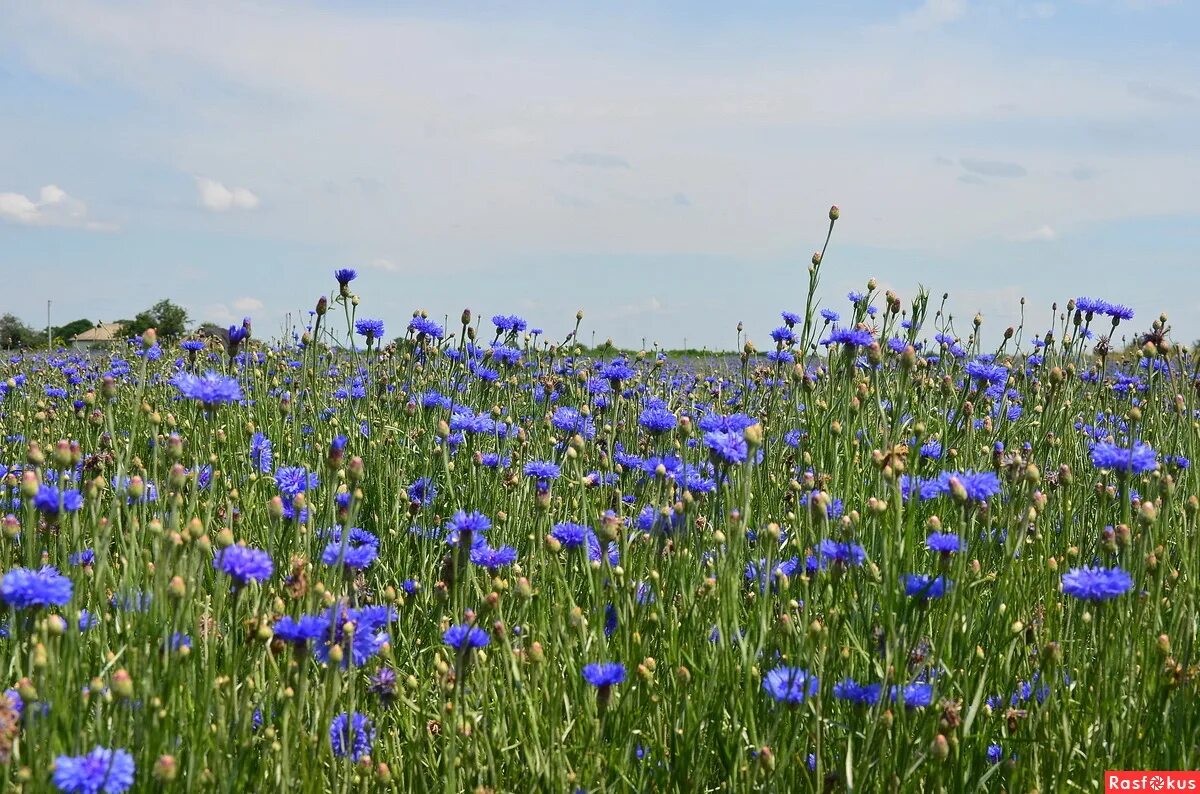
x=870, y=554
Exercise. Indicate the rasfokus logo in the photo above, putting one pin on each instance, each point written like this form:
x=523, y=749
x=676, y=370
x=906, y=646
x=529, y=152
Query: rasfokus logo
x=1151, y=781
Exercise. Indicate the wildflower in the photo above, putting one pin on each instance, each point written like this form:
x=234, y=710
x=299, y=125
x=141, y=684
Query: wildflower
x=1096, y=584
x=423, y=326
x=915, y=695
x=1138, y=459
x=208, y=390
x=851, y=690
x=351, y=735
x=260, y=453
x=383, y=684
x=925, y=587
x=571, y=536
x=463, y=522
x=344, y=276
x=371, y=329
x=830, y=315
x=850, y=554
x=110, y=771
x=486, y=557
x=354, y=557
x=994, y=753
x=943, y=542
x=422, y=492
x=850, y=337
x=542, y=470
x=657, y=420
x=22, y=588
x=294, y=480
x=604, y=674
x=463, y=636
x=790, y=684
x=727, y=447
x=301, y=631
x=83, y=558
x=243, y=564
x=49, y=500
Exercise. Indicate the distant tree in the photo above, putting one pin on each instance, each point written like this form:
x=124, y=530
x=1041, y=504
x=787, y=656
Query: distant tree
x=64, y=333
x=14, y=333
x=169, y=319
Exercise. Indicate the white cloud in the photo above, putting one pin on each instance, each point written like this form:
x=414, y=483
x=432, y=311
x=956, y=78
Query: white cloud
x=218, y=198
x=386, y=265
x=934, y=13
x=1044, y=233
x=248, y=304
x=459, y=123
x=52, y=207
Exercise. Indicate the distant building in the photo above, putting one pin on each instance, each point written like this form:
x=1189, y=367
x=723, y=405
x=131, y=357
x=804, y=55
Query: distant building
x=103, y=335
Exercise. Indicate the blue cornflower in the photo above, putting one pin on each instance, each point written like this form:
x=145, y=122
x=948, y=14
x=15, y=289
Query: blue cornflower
x=987, y=372
x=790, y=684
x=294, y=480
x=842, y=553
x=85, y=557
x=915, y=695
x=571, y=536
x=486, y=557
x=22, y=588
x=463, y=636
x=604, y=674
x=727, y=446
x=790, y=318
x=851, y=337
x=110, y=771
x=345, y=275
x=1096, y=584
x=542, y=470
x=192, y=345
x=830, y=315
x=1138, y=459
x=925, y=587
x=1091, y=305
x=784, y=334
x=243, y=564
x=570, y=420
x=209, y=389
x=463, y=522
x=994, y=753
x=261, y=454
x=423, y=326
x=371, y=329
x=616, y=371
x=355, y=557
x=657, y=419
x=422, y=491
x=511, y=323
x=49, y=500
x=851, y=690
x=943, y=542
x=302, y=630
x=351, y=735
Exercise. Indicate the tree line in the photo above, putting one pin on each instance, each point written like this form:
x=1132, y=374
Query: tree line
x=167, y=317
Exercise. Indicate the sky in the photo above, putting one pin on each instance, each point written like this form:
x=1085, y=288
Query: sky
x=666, y=167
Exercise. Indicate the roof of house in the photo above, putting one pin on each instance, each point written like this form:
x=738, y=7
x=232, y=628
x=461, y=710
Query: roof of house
x=104, y=332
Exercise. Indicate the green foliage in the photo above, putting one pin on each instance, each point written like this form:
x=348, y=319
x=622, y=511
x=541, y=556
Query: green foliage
x=14, y=333
x=64, y=333
x=167, y=318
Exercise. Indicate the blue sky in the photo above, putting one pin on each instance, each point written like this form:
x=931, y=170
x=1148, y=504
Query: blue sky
x=666, y=167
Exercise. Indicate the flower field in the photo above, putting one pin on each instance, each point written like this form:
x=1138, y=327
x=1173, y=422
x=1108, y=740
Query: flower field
x=885, y=551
